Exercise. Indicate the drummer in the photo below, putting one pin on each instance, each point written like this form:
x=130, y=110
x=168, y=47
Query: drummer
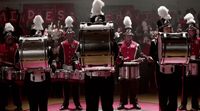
x=37, y=78
x=9, y=57
x=190, y=80
x=166, y=75
x=68, y=58
x=129, y=50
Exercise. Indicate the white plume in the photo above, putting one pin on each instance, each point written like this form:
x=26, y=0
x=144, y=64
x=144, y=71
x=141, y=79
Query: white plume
x=96, y=7
x=127, y=22
x=168, y=17
x=188, y=16
x=8, y=27
x=163, y=11
x=38, y=21
x=191, y=21
x=68, y=21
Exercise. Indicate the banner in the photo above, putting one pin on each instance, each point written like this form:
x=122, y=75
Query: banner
x=49, y=12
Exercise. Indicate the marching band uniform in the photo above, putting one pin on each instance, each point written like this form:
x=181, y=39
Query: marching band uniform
x=37, y=80
x=166, y=76
x=190, y=80
x=9, y=56
x=67, y=57
x=99, y=86
x=129, y=50
x=129, y=87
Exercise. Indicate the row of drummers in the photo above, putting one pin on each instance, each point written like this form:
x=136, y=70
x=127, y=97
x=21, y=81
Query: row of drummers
x=40, y=54
x=35, y=54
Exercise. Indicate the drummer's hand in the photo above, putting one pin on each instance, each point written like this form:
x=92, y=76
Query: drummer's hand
x=139, y=60
x=126, y=58
x=149, y=59
x=17, y=66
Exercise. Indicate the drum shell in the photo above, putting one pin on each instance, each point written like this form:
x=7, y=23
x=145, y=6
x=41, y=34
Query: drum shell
x=9, y=73
x=129, y=71
x=173, y=48
x=60, y=74
x=76, y=76
x=167, y=69
x=96, y=45
x=37, y=75
x=33, y=53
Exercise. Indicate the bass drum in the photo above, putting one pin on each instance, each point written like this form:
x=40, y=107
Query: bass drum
x=96, y=43
x=33, y=52
x=173, y=48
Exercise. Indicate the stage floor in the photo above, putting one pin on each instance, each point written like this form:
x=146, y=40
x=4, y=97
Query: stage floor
x=148, y=102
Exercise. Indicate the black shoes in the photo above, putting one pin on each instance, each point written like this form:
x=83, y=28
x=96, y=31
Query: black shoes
x=182, y=107
x=136, y=106
x=120, y=107
x=63, y=107
x=18, y=109
x=79, y=107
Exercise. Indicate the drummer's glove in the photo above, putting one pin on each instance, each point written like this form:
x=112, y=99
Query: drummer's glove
x=119, y=60
x=17, y=66
x=59, y=65
x=76, y=65
x=150, y=59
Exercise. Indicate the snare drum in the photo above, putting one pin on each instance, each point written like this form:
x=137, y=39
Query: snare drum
x=76, y=76
x=173, y=48
x=60, y=74
x=9, y=73
x=33, y=52
x=129, y=70
x=99, y=71
x=37, y=75
x=167, y=69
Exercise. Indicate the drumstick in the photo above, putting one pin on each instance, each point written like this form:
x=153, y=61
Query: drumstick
x=138, y=60
x=7, y=63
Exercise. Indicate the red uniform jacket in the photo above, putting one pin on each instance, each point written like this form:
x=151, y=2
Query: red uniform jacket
x=195, y=43
x=9, y=53
x=67, y=52
x=130, y=52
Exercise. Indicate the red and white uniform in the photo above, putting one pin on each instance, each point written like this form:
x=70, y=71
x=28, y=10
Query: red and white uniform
x=195, y=52
x=69, y=50
x=8, y=53
x=195, y=43
x=129, y=52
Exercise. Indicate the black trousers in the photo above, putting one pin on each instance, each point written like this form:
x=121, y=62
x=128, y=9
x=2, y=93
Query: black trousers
x=129, y=88
x=168, y=88
x=168, y=92
x=3, y=95
x=37, y=94
x=8, y=87
x=190, y=87
x=99, y=87
x=74, y=88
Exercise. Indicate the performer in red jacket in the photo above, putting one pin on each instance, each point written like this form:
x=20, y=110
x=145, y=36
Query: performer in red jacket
x=9, y=58
x=67, y=57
